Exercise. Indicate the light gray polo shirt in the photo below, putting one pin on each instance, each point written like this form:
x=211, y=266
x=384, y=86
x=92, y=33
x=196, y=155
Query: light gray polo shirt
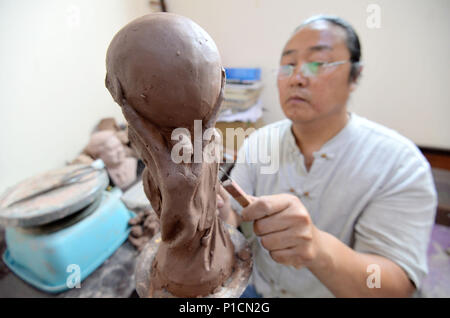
x=368, y=186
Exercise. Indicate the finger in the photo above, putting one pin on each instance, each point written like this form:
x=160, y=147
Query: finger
x=283, y=240
x=265, y=206
x=292, y=217
x=288, y=256
x=270, y=224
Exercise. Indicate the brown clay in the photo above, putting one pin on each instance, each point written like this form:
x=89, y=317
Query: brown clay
x=165, y=72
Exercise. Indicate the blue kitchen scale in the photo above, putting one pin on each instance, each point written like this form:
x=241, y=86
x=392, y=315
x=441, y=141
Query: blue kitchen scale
x=62, y=225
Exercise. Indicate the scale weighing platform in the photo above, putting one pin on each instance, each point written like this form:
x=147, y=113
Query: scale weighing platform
x=61, y=223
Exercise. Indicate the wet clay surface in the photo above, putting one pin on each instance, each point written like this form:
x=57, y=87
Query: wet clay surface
x=232, y=287
x=165, y=72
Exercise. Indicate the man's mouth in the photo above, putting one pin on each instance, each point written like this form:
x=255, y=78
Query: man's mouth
x=297, y=98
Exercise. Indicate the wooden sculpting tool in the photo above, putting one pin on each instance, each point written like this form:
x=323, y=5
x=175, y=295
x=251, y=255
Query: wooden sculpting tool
x=235, y=190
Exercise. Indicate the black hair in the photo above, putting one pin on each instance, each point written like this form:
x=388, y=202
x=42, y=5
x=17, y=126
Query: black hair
x=353, y=43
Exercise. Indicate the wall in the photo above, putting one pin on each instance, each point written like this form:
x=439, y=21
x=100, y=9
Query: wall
x=53, y=51
x=52, y=63
x=405, y=84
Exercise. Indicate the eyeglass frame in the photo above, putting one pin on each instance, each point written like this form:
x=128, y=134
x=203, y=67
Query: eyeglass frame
x=304, y=69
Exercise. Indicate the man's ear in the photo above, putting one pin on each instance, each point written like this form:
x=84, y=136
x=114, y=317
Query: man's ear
x=355, y=80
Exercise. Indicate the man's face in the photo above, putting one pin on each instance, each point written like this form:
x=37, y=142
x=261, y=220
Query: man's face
x=305, y=99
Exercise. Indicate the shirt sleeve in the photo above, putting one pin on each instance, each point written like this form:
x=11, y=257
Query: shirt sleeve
x=397, y=223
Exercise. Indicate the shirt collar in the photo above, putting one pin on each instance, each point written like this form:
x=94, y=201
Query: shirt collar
x=332, y=146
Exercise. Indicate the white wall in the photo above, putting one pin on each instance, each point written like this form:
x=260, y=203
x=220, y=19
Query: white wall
x=405, y=83
x=52, y=67
x=52, y=70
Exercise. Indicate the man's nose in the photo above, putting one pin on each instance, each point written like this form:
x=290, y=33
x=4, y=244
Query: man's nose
x=297, y=78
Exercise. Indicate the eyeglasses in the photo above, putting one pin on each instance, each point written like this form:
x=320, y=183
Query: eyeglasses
x=311, y=69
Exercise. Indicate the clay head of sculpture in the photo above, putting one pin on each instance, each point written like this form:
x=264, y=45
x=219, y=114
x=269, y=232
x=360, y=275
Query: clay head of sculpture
x=165, y=72
x=106, y=146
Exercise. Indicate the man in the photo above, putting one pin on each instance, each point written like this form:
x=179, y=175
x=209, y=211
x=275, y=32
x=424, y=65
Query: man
x=350, y=209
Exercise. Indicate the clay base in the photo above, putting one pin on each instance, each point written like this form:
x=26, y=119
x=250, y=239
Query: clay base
x=233, y=287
